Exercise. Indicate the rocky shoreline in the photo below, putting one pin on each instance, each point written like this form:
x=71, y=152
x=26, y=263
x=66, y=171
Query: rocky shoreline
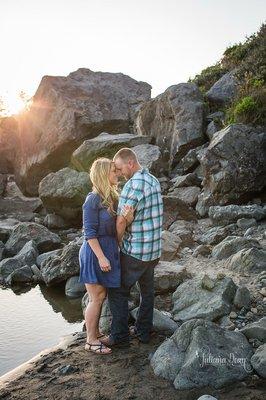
x=210, y=285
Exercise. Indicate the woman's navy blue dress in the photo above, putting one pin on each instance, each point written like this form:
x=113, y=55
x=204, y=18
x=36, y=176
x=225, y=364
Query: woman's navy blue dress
x=100, y=224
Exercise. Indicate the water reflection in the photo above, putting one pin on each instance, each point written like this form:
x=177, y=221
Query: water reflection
x=69, y=308
x=32, y=319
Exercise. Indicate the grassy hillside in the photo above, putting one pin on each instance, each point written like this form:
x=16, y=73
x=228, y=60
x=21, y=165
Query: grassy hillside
x=249, y=59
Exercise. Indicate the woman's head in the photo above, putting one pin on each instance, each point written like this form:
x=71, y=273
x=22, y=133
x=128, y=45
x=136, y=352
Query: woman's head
x=104, y=179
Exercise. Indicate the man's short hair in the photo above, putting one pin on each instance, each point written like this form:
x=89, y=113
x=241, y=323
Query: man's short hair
x=126, y=154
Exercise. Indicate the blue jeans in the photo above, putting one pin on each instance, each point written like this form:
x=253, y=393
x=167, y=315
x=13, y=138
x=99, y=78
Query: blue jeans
x=132, y=271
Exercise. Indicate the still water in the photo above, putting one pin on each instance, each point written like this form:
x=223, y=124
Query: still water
x=33, y=320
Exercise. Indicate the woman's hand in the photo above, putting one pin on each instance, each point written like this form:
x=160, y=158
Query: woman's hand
x=104, y=264
x=128, y=214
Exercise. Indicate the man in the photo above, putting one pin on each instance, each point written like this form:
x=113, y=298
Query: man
x=140, y=248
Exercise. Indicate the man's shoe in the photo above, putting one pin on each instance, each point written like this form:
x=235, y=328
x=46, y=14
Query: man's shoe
x=109, y=342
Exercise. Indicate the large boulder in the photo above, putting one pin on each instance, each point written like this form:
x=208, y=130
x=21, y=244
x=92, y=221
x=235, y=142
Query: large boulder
x=174, y=119
x=167, y=276
x=246, y=261
x=170, y=246
x=74, y=288
x=258, y=361
x=60, y=267
x=6, y=227
x=162, y=321
x=67, y=110
x=64, y=192
x=224, y=215
x=201, y=298
x=26, y=231
x=188, y=195
x=229, y=177
x=174, y=209
x=104, y=145
x=231, y=245
x=256, y=330
x=200, y=354
x=150, y=156
x=224, y=90
x=26, y=256
x=184, y=230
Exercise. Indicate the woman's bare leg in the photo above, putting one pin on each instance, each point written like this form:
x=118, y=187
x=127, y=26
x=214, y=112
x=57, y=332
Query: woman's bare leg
x=97, y=294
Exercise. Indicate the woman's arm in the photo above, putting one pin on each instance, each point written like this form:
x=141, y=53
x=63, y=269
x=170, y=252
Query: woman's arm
x=91, y=224
x=97, y=250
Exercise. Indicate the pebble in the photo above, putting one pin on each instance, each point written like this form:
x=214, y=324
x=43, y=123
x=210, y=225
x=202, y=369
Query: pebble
x=254, y=310
x=263, y=291
x=233, y=315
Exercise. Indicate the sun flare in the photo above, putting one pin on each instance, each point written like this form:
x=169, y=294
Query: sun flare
x=13, y=103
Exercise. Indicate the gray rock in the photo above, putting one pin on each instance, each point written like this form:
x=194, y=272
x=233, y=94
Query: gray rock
x=174, y=209
x=3, y=182
x=207, y=282
x=150, y=156
x=200, y=354
x=104, y=145
x=258, y=361
x=74, y=288
x=26, y=231
x=167, y=276
x=190, y=179
x=184, y=230
x=242, y=298
x=8, y=265
x=28, y=253
x=170, y=246
x=212, y=128
x=162, y=322
x=207, y=397
x=192, y=159
x=6, y=227
x=223, y=167
x=178, y=113
x=188, y=195
x=67, y=110
x=256, y=330
x=224, y=215
x=61, y=267
x=2, y=250
x=37, y=274
x=64, y=192
x=216, y=234
x=193, y=301
x=224, y=90
x=44, y=256
x=21, y=275
x=226, y=323
x=231, y=245
x=246, y=222
x=202, y=250
x=250, y=231
x=248, y=261
x=53, y=221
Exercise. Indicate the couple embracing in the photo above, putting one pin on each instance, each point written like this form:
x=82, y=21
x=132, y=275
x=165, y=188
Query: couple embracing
x=122, y=245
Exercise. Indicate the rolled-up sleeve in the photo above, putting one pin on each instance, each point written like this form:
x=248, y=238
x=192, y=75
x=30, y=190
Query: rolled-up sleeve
x=90, y=218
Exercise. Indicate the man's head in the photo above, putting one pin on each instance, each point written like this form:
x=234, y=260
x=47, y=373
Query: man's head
x=126, y=162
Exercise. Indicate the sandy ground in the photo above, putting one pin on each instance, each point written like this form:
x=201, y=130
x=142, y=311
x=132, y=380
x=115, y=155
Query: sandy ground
x=126, y=374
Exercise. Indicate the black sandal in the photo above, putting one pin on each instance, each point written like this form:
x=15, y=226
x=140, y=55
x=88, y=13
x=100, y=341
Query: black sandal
x=98, y=349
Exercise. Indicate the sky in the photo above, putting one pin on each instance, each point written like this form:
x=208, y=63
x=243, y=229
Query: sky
x=162, y=42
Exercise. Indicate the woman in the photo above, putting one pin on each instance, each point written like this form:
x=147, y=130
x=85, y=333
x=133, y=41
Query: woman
x=99, y=253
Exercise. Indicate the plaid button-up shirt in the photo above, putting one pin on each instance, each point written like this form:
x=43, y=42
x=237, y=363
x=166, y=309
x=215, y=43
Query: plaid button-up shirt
x=142, y=239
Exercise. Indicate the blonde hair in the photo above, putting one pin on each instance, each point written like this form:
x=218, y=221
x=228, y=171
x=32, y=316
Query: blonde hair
x=99, y=176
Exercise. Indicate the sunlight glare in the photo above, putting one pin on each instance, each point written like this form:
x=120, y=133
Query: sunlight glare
x=13, y=103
